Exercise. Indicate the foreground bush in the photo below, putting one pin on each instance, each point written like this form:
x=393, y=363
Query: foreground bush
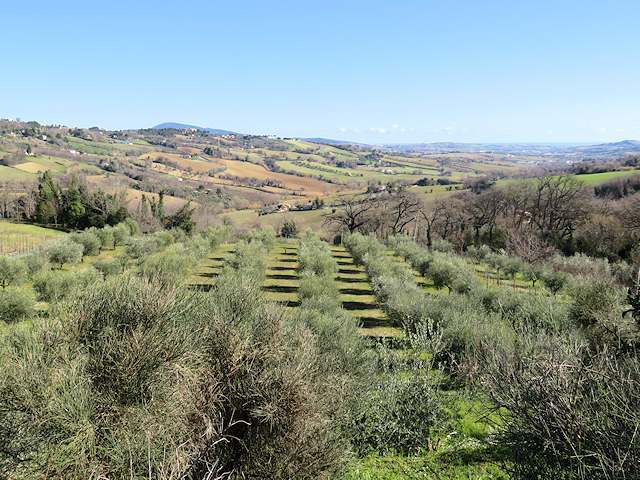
x=134, y=380
x=398, y=413
x=564, y=413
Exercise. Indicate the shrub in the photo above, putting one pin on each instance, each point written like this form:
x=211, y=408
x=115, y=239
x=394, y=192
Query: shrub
x=217, y=235
x=12, y=271
x=478, y=254
x=594, y=299
x=442, y=246
x=15, y=304
x=360, y=245
x=167, y=267
x=118, y=354
x=106, y=236
x=265, y=236
x=396, y=413
x=108, y=267
x=140, y=247
x=289, y=229
x=314, y=256
x=164, y=238
x=597, y=307
x=65, y=251
x=121, y=234
x=532, y=273
x=554, y=281
x=132, y=225
x=179, y=385
x=35, y=262
x=197, y=247
x=580, y=264
x=563, y=412
x=53, y=286
x=249, y=257
x=90, y=242
x=528, y=311
x=511, y=266
x=178, y=235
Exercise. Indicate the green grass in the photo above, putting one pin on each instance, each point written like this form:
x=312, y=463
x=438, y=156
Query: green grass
x=382, y=332
x=434, y=466
x=20, y=238
x=13, y=174
x=369, y=299
x=588, y=179
x=596, y=178
x=55, y=164
x=210, y=265
x=281, y=282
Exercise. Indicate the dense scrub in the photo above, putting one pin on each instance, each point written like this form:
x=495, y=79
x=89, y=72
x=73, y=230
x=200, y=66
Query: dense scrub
x=561, y=372
x=138, y=376
x=129, y=373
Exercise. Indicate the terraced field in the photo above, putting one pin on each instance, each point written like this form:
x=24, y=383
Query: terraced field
x=358, y=297
x=420, y=280
x=206, y=273
x=282, y=283
x=281, y=277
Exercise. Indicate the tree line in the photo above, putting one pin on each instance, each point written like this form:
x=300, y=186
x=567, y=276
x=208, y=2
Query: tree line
x=530, y=218
x=71, y=204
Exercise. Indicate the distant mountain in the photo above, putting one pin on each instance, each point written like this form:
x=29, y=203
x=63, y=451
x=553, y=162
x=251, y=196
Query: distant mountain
x=574, y=150
x=183, y=126
x=610, y=149
x=330, y=141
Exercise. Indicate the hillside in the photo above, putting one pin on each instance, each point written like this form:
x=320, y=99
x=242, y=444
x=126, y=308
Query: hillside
x=222, y=169
x=184, y=126
x=245, y=176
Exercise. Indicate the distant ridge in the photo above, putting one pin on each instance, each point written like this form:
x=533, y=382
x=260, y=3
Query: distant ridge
x=183, y=126
x=577, y=150
x=331, y=141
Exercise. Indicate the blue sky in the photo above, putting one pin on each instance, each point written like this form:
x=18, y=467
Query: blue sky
x=371, y=71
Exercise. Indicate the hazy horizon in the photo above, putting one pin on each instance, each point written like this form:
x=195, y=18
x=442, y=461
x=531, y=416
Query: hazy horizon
x=370, y=72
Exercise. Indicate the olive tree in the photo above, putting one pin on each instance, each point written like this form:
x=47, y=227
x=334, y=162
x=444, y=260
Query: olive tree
x=12, y=271
x=65, y=251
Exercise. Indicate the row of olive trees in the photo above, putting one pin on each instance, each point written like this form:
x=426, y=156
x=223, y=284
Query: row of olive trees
x=165, y=255
x=562, y=373
x=138, y=377
x=399, y=408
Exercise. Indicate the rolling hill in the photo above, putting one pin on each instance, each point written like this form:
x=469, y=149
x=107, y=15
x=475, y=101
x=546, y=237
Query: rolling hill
x=184, y=126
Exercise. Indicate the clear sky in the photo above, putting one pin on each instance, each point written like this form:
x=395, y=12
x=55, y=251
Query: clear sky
x=371, y=71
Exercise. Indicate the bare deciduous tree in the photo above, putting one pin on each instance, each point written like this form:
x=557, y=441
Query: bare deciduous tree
x=352, y=214
x=557, y=205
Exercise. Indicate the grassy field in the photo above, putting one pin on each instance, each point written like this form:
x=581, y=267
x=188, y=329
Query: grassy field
x=596, y=178
x=205, y=274
x=358, y=297
x=21, y=238
x=588, y=179
x=311, y=219
x=14, y=174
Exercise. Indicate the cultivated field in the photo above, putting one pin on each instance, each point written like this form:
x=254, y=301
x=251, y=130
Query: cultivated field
x=18, y=238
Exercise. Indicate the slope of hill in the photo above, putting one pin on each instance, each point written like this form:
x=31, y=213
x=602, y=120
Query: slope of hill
x=226, y=173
